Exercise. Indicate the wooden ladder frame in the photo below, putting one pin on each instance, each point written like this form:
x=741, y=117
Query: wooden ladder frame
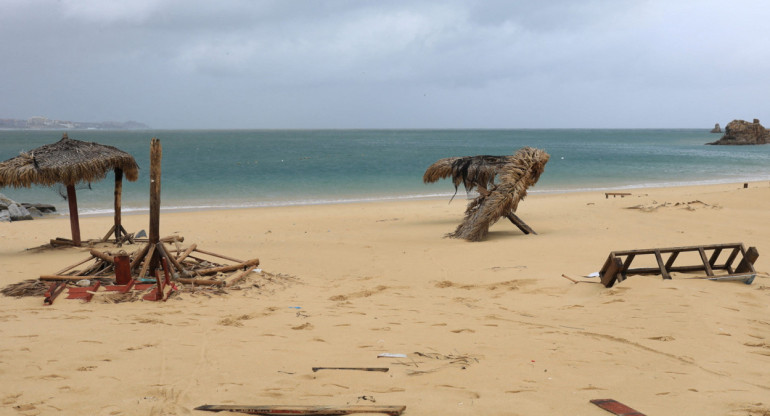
x=617, y=267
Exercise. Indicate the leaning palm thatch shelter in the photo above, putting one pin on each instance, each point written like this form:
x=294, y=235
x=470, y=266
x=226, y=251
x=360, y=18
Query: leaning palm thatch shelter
x=516, y=173
x=70, y=162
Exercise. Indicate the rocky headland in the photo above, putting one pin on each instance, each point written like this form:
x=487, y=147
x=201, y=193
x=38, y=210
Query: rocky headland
x=741, y=132
x=43, y=123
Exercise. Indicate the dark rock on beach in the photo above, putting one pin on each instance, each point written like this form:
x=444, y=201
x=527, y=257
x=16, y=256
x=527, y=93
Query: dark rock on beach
x=741, y=132
x=716, y=129
x=11, y=210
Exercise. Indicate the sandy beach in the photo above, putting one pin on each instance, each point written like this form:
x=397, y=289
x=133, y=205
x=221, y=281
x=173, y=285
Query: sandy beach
x=488, y=328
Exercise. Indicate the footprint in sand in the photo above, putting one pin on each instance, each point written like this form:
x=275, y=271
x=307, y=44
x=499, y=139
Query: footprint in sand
x=463, y=391
x=360, y=294
x=10, y=399
x=306, y=326
x=234, y=320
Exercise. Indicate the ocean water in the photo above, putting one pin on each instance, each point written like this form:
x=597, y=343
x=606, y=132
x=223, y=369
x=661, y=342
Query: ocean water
x=208, y=169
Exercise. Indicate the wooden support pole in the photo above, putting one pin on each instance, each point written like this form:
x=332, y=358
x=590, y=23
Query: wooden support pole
x=200, y=282
x=72, y=200
x=68, y=268
x=109, y=233
x=118, y=195
x=156, y=155
x=56, y=277
x=229, y=281
x=520, y=224
x=139, y=256
x=104, y=256
x=218, y=255
x=171, y=261
x=146, y=264
x=230, y=268
x=186, y=253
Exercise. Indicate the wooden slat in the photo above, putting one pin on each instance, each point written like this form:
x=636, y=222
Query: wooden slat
x=706, y=264
x=715, y=256
x=671, y=260
x=662, y=266
x=731, y=259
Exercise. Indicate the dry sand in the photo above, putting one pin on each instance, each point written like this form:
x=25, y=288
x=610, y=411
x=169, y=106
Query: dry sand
x=490, y=328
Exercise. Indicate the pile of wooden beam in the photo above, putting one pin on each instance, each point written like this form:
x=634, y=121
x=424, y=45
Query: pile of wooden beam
x=165, y=263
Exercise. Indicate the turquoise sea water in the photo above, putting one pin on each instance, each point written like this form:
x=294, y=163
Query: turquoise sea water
x=205, y=169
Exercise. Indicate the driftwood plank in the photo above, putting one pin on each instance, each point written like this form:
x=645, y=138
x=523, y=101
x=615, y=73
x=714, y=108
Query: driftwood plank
x=221, y=256
x=186, y=253
x=231, y=280
x=518, y=222
x=230, y=268
x=68, y=268
x=304, y=410
x=146, y=264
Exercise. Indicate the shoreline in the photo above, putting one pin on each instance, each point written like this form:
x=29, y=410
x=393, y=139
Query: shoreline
x=460, y=195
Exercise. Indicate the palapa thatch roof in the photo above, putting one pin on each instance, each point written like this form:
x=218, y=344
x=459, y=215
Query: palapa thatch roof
x=521, y=171
x=67, y=162
x=470, y=171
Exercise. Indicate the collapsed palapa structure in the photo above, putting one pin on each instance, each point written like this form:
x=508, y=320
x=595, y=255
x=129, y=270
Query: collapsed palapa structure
x=516, y=173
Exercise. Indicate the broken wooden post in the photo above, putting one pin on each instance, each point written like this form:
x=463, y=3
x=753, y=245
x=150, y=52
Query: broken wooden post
x=72, y=200
x=156, y=154
x=526, y=229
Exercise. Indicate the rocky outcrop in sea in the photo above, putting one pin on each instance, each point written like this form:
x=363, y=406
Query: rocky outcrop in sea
x=716, y=129
x=11, y=210
x=741, y=132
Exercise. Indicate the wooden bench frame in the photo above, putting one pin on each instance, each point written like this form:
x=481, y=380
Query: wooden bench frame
x=617, y=267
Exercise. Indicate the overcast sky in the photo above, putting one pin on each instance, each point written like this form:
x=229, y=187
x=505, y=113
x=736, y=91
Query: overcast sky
x=387, y=64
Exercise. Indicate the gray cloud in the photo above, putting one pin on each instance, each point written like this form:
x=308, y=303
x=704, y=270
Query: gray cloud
x=358, y=64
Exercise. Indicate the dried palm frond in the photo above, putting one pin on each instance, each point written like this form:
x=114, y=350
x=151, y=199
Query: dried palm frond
x=26, y=288
x=470, y=171
x=522, y=171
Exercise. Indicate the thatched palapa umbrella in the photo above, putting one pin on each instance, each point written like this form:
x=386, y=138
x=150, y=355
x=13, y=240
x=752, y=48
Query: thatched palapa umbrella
x=516, y=173
x=70, y=162
x=470, y=171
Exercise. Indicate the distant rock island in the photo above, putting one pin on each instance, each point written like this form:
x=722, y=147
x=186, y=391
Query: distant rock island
x=741, y=132
x=42, y=123
x=716, y=129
